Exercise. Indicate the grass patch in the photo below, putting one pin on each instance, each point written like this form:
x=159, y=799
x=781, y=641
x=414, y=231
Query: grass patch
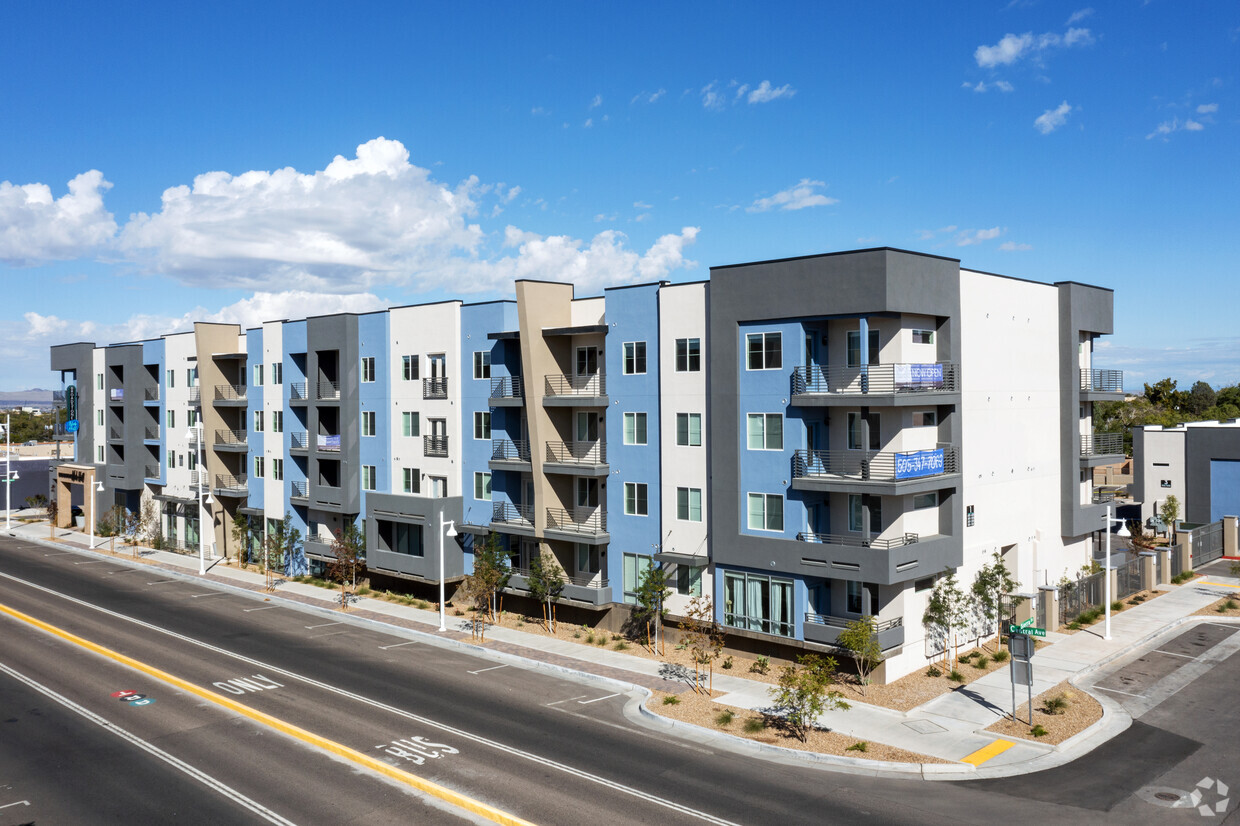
x=933, y=672
x=1117, y=606
x=754, y=724
x=620, y=645
x=1056, y=705
x=1230, y=605
x=1001, y=655
x=725, y=717
x=955, y=676
x=860, y=746
x=981, y=662
x=1183, y=576
x=671, y=700
x=1038, y=731
x=761, y=665
x=726, y=663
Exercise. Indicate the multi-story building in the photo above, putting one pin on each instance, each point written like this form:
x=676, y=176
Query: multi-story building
x=1197, y=462
x=803, y=441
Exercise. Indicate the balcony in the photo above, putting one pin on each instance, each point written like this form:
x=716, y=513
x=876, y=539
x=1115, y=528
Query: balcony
x=116, y=395
x=299, y=490
x=298, y=441
x=435, y=387
x=1101, y=449
x=507, y=391
x=297, y=393
x=152, y=394
x=435, y=446
x=116, y=434
x=1103, y=496
x=896, y=473
x=513, y=518
x=151, y=472
x=1102, y=385
x=195, y=396
x=575, y=391
x=854, y=541
x=509, y=454
x=825, y=629
x=230, y=395
x=576, y=458
x=197, y=478
x=231, y=440
x=327, y=391
x=879, y=384
x=327, y=442
x=151, y=433
x=588, y=525
x=227, y=485
x=591, y=589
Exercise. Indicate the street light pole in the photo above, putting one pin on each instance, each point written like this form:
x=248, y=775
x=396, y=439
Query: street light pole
x=9, y=476
x=202, y=508
x=1106, y=568
x=451, y=531
x=94, y=501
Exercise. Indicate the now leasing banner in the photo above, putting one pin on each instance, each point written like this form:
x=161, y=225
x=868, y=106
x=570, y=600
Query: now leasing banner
x=918, y=375
x=919, y=463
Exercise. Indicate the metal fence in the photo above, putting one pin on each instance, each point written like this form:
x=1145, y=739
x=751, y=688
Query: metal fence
x=1081, y=595
x=1207, y=543
x=1127, y=578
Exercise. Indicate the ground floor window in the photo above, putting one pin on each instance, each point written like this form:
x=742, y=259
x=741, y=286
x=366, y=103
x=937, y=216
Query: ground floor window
x=758, y=602
x=587, y=559
x=400, y=538
x=634, y=566
x=689, y=580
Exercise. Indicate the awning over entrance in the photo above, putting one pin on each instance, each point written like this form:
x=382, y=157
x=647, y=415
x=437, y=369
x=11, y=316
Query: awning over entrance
x=681, y=559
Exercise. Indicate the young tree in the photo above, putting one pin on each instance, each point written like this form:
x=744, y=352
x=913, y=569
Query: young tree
x=946, y=611
x=546, y=584
x=134, y=525
x=348, y=557
x=242, y=537
x=1169, y=512
x=53, y=508
x=991, y=583
x=697, y=627
x=282, y=542
x=491, y=571
x=859, y=640
x=651, y=594
x=804, y=692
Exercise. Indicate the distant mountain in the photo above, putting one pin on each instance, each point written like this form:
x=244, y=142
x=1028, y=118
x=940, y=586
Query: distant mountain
x=35, y=395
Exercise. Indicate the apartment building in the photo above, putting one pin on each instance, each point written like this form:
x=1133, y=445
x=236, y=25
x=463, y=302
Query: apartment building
x=1197, y=462
x=804, y=441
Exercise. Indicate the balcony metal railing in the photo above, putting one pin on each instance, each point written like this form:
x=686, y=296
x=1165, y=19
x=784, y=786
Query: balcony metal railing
x=1101, y=497
x=510, y=450
x=299, y=490
x=299, y=440
x=435, y=387
x=592, y=384
x=873, y=466
x=935, y=377
x=434, y=445
x=151, y=432
x=581, y=580
x=858, y=541
x=195, y=395
x=195, y=433
x=1102, y=444
x=327, y=391
x=229, y=392
x=1102, y=381
x=577, y=453
x=226, y=483
x=113, y=433
x=152, y=394
x=585, y=521
x=513, y=514
x=842, y=622
x=297, y=391
x=197, y=478
x=507, y=387
x=151, y=472
x=230, y=437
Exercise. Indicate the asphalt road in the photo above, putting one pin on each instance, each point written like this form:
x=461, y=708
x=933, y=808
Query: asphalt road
x=543, y=746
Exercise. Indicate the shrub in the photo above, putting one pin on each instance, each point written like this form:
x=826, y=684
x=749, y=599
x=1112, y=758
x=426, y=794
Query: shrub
x=576, y=635
x=1074, y=625
x=601, y=641
x=1117, y=606
x=754, y=724
x=955, y=676
x=964, y=658
x=620, y=645
x=1230, y=605
x=1055, y=705
x=860, y=745
x=725, y=717
x=423, y=604
x=981, y=662
x=671, y=700
x=589, y=638
x=933, y=672
x=1001, y=655
x=726, y=663
x=1038, y=731
x=761, y=665
x=363, y=590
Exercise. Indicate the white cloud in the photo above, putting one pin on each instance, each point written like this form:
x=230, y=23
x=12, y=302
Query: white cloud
x=765, y=93
x=596, y=102
x=1014, y=47
x=642, y=218
x=800, y=196
x=538, y=110
x=589, y=123
x=1052, y=119
x=1078, y=16
x=970, y=237
x=1167, y=127
x=1001, y=85
x=641, y=205
x=1207, y=108
x=35, y=227
x=928, y=234
x=711, y=97
x=1012, y=246
x=648, y=97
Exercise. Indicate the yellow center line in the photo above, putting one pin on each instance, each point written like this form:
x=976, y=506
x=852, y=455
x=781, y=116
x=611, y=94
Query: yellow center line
x=421, y=784
x=993, y=749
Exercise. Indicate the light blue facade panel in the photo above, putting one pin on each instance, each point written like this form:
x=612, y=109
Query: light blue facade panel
x=153, y=353
x=373, y=332
x=254, y=395
x=1224, y=488
x=293, y=341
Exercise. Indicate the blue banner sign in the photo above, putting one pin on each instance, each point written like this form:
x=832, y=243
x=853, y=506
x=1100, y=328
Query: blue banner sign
x=71, y=426
x=919, y=375
x=919, y=463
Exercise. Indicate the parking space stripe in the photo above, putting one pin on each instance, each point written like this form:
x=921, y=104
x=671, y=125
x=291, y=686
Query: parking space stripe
x=994, y=749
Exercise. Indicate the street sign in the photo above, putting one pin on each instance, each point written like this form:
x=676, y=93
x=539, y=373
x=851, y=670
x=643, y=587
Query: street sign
x=1027, y=623
x=1026, y=630
x=71, y=426
x=71, y=402
x=1022, y=672
x=1021, y=646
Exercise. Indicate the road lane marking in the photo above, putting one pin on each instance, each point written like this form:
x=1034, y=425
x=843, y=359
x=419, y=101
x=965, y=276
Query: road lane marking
x=492, y=668
x=161, y=581
x=400, y=712
x=90, y=562
x=397, y=645
x=201, y=776
x=557, y=702
x=1174, y=654
x=63, y=553
x=596, y=699
x=1216, y=584
x=365, y=760
x=126, y=571
x=212, y=594
x=1117, y=691
x=324, y=625
x=991, y=750
x=16, y=803
x=264, y=608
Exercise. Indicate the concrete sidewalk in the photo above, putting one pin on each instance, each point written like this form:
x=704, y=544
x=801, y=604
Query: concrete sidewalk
x=949, y=727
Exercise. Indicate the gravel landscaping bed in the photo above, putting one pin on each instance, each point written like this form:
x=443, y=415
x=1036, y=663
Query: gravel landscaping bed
x=1220, y=609
x=1082, y=711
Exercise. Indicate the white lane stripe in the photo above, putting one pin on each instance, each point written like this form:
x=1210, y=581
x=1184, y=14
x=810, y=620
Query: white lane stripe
x=202, y=777
x=597, y=699
x=510, y=750
x=16, y=803
x=397, y=645
x=1116, y=691
x=212, y=594
x=492, y=668
x=324, y=625
x=161, y=581
x=264, y=608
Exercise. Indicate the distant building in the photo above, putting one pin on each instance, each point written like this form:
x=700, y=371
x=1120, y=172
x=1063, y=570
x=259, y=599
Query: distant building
x=1197, y=462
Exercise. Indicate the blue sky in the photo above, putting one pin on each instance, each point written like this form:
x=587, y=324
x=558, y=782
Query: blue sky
x=162, y=164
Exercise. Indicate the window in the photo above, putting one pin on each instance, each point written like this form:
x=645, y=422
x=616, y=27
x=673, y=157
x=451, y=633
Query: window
x=277, y=421
x=854, y=431
x=258, y=375
x=439, y=486
x=689, y=429
x=277, y=372
x=482, y=486
x=926, y=500
x=410, y=480
x=171, y=379
x=689, y=504
x=99, y=454
x=766, y=512
x=587, y=492
x=99, y=382
x=925, y=418
x=765, y=431
x=172, y=418
x=482, y=364
x=172, y=460
x=758, y=602
x=764, y=351
x=191, y=377
x=587, y=559
x=923, y=337
x=635, y=498
x=924, y=584
x=854, y=513
x=482, y=424
x=409, y=372
x=1164, y=483
x=688, y=580
x=854, y=348
x=968, y=517
x=400, y=538
x=634, y=357
x=99, y=417
x=258, y=421
x=688, y=355
x=368, y=369
x=259, y=467
x=181, y=460
x=409, y=424
x=587, y=361
x=192, y=417
x=635, y=428
x=634, y=566
x=193, y=461
x=368, y=422
x=277, y=469
x=368, y=477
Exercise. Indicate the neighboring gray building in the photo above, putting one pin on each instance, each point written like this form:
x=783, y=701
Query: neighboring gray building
x=1197, y=462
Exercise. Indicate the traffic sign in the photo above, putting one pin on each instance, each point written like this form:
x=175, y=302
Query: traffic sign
x=1027, y=623
x=71, y=426
x=1027, y=630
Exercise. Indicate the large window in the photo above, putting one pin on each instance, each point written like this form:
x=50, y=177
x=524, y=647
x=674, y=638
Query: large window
x=634, y=566
x=277, y=421
x=482, y=364
x=635, y=498
x=277, y=372
x=587, y=492
x=409, y=371
x=277, y=469
x=854, y=348
x=689, y=429
x=855, y=517
x=587, y=559
x=409, y=424
x=172, y=377
x=258, y=467
x=688, y=355
x=258, y=421
x=482, y=486
x=482, y=424
x=634, y=357
x=854, y=431
x=855, y=603
x=369, y=481
x=758, y=603
x=410, y=480
x=368, y=369
x=688, y=580
x=765, y=431
x=368, y=422
x=258, y=375
x=766, y=512
x=400, y=538
x=763, y=351
x=635, y=428
x=689, y=504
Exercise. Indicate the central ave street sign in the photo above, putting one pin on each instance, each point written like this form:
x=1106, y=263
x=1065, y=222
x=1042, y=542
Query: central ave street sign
x=1027, y=629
